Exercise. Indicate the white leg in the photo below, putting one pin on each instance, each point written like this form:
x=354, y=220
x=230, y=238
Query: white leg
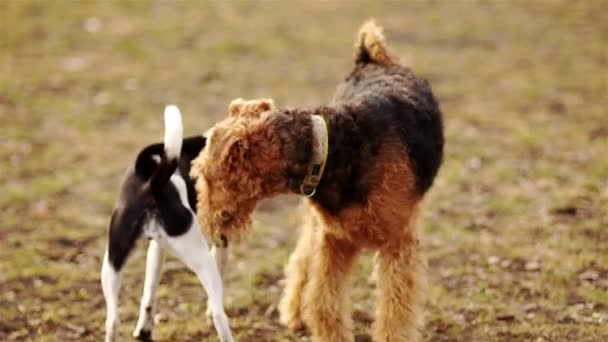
x=220, y=254
x=145, y=323
x=110, y=284
x=192, y=249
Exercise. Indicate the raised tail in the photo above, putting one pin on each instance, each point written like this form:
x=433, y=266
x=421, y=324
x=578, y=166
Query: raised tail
x=173, y=132
x=370, y=46
x=172, y=148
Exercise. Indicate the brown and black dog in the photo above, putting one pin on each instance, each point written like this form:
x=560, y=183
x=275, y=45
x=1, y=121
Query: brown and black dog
x=365, y=161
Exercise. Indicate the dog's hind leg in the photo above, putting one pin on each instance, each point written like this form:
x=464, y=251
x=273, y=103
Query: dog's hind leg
x=123, y=235
x=400, y=282
x=110, y=284
x=192, y=249
x=145, y=323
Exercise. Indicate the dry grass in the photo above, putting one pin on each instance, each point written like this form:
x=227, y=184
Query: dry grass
x=516, y=226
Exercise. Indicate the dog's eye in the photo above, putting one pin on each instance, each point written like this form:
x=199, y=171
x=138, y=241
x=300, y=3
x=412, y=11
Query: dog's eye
x=226, y=217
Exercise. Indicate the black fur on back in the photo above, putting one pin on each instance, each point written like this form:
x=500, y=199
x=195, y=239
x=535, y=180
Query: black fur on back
x=391, y=99
x=376, y=102
x=146, y=165
x=140, y=201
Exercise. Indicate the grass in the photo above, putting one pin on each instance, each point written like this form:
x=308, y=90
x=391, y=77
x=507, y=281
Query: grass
x=516, y=226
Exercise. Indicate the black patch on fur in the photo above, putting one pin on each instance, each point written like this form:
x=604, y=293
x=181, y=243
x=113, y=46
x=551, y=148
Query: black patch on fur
x=350, y=147
x=174, y=217
x=191, y=147
x=140, y=202
x=127, y=221
x=393, y=99
x=374, y=103
x=145, y=165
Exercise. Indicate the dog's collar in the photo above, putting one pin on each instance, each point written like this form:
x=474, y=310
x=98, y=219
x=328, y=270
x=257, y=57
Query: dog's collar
x=320, y=148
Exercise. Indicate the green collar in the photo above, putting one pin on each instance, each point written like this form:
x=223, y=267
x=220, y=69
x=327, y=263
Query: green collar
x=320, y=148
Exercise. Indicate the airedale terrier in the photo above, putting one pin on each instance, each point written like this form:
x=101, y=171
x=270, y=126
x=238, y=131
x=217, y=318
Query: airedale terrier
x=364, y=161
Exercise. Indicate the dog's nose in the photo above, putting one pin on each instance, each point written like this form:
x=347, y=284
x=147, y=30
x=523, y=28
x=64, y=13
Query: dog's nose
x=223, y=241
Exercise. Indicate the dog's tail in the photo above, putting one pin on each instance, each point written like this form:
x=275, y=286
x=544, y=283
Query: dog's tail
x=370, y=46
x=172, y=148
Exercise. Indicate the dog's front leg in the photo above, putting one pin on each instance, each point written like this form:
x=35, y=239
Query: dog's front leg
x=192, y=249
x=145, y=323
x=326, y=304
x=220, y=254
x=297, y=276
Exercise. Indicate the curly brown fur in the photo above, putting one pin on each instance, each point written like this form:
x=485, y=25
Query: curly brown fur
x=385, y=148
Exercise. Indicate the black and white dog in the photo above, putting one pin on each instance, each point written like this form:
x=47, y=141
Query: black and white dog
x=157, y=201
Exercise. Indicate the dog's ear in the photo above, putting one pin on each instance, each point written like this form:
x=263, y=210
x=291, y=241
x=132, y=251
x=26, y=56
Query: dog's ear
x=235, y=107
x=234, y=154
x=250, y=109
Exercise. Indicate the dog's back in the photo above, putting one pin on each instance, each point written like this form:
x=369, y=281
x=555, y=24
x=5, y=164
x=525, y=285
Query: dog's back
x=149, y=158
x=386, y=99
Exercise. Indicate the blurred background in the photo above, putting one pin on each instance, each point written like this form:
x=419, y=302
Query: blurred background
x=515, y=228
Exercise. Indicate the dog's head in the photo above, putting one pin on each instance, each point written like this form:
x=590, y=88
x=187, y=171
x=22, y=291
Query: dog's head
x=240, y=165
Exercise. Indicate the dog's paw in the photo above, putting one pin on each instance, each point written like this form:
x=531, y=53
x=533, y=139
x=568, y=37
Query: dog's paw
x=292, y=321
x=363, y=338
x=143, y=335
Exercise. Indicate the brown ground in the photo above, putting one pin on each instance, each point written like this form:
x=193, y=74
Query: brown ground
x=516, y=226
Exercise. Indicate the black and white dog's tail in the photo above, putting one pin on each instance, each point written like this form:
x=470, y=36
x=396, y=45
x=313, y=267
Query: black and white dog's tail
x=147, y=167
x=172, y=149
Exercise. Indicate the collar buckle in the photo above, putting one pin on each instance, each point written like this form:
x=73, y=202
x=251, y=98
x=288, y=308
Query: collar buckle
x=305, y=191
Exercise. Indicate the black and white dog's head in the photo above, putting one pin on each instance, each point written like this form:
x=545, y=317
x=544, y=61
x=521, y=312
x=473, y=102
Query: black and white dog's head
x=148, y=193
